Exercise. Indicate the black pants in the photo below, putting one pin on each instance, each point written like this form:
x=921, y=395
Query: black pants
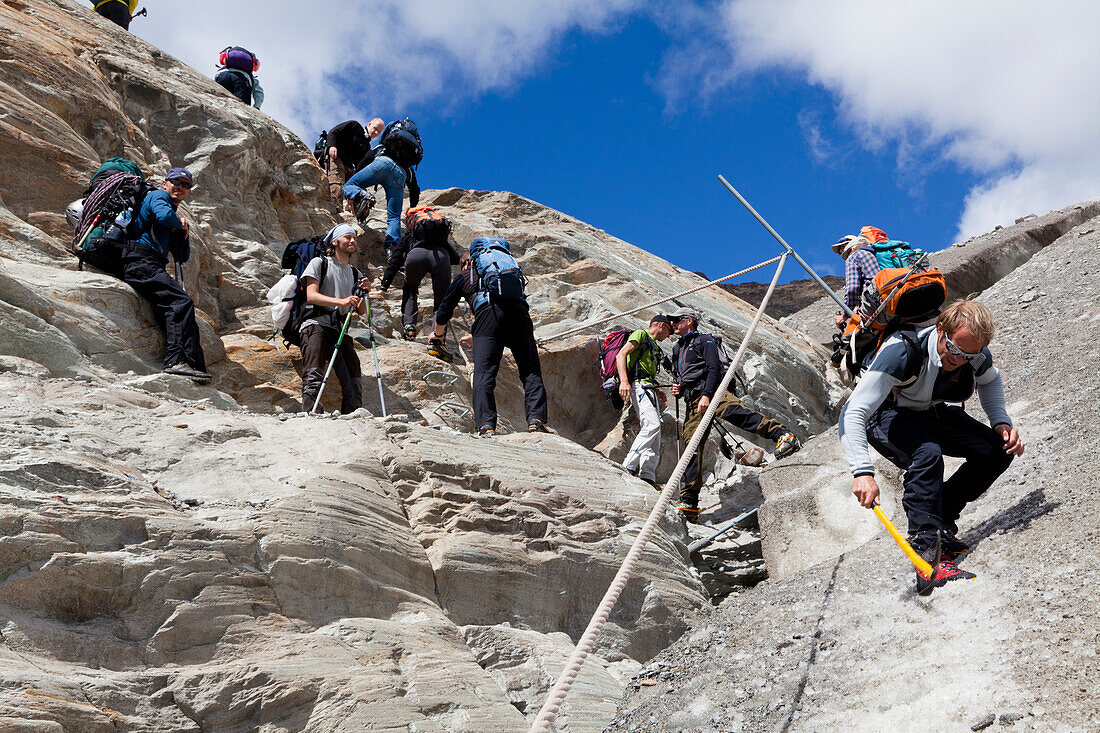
x=916, y=441
x=117, y=12
x=732, y=411
x=237, y=85
x=496, y=327
x=172, y=306
x=421, y=262
x=317, y=345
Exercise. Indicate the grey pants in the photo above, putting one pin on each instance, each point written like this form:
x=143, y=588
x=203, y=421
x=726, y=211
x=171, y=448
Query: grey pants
x=419, y=263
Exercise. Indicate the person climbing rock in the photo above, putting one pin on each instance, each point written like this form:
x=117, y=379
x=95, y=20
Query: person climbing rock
x=424, y=249
x=330, y=283
x=238, y=67
x=392, y=165
x=636, y=364
x=349, y=150
x=119, y=12
x=155, y=233
x=860, y=268
x=900, y=407
x=697, y=373
x=499, y=322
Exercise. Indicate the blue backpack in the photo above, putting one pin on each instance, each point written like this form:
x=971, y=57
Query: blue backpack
x=499, y=276
x=893, y=253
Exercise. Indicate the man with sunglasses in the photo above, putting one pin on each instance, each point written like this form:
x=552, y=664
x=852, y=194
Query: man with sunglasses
x=901, y=407
x=158, y=232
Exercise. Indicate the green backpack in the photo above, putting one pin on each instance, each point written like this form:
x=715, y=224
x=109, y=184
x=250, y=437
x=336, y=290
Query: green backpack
x=110, y=166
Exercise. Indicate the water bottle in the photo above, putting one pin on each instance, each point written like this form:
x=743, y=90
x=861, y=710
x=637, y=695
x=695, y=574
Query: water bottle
x=116, y=232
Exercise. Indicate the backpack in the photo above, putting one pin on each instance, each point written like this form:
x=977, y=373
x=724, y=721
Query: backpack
x=241, y=59
x=612, y=344
x=497, y=275
x=893, y=253
x=402, y=143
x=109, y=166
x=897, y=298
x=107, y=214
x=427, y=227
x=320, y=150
x=296, y=257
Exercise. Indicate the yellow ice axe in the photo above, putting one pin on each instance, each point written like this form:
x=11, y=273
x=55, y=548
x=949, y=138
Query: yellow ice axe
x=918, y=562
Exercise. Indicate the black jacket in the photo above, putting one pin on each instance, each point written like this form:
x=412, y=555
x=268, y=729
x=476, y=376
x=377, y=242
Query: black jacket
x=351, y=143
x=696, y=365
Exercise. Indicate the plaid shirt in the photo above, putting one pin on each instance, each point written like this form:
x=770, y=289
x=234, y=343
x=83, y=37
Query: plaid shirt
x=859, y=270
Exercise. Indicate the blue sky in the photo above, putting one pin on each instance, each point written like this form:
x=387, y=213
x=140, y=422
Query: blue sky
x=933, y=121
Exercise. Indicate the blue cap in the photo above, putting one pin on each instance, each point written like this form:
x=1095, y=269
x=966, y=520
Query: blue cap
x=179, y=173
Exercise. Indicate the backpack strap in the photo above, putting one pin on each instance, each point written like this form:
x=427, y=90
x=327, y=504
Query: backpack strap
x=914, y=356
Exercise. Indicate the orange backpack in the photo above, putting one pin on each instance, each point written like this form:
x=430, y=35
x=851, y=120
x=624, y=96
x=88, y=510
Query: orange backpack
x=898, y=297
x=425, y=225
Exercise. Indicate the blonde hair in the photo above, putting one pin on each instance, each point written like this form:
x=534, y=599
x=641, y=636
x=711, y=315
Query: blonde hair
x=967, y=312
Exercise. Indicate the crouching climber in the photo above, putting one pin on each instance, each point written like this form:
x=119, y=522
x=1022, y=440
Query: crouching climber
x=119, y=12
x=698, y=371
x=330, y=283
x=860, y=268
x=238, y=67
x=900, y=407
x=636, y=364
x=492, y=284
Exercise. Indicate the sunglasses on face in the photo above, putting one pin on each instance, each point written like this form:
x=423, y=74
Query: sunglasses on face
x=957, y=352
x=181, y=183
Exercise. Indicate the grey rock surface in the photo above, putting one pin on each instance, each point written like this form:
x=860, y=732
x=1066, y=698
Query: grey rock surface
x=971, y=266
x=847, y=645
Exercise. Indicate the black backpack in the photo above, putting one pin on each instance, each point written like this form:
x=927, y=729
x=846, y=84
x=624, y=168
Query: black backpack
x=296, y=257
x=320, y=149
x=402, y=143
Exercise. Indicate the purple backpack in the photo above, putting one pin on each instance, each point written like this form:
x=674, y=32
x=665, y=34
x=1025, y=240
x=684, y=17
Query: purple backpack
x=241, y=59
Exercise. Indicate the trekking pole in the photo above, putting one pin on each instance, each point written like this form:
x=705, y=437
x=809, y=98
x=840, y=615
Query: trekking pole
x=790, y=250
x=179, y=275
x=332, y=361
x=374, y=350
x=677, y=428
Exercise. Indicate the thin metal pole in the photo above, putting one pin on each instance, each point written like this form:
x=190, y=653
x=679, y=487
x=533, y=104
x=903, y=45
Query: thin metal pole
x=331, y=362
x=374, y=351
x=790, y=250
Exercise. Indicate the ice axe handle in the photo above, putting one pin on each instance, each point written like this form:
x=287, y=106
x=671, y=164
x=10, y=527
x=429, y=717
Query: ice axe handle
x=918, y=562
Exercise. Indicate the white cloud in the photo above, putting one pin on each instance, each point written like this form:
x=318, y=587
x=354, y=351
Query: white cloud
x=1002, y=88
x=325, y=61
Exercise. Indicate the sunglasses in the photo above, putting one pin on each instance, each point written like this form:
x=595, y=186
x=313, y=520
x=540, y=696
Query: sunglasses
x=954, y=350
x=181, y=183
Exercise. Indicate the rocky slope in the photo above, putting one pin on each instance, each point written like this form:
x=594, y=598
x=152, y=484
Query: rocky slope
x=846, y=645
x=176, y=557
x=788, y=298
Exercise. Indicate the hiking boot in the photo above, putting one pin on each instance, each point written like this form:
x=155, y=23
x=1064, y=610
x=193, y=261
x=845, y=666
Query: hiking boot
x=654, y=484
x=537, y=426
x=786, y=445
x=362, y=203
x=948, y=570
x=485, y=432
x=410, y=333
x=183, y=369
x=688, y=512
x=439, y=351
x=953, y=547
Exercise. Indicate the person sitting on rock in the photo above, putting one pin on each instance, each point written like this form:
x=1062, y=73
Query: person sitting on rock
x=697, y=373
x=330, y=292
x=158, y=231
x=238, y=67
x=860, y=268
x=636, y=364
x=899, y=407
x=496, y=324
x=119, y=12
x=382, y=167
x=348, y=149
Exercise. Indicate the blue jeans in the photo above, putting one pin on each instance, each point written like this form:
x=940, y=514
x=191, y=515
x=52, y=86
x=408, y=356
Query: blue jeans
x=392, y=177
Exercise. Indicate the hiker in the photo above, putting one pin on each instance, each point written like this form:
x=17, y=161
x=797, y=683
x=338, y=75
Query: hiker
x=391, y=164
x=697, y=373
x=860, y=268
x=119, y=12
x=424, y=249
x=348, y=145
x=900, y=407
x=498, y=322
x=330, y=282
x=155, y=233
x=238, y=67
x=636, y=364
